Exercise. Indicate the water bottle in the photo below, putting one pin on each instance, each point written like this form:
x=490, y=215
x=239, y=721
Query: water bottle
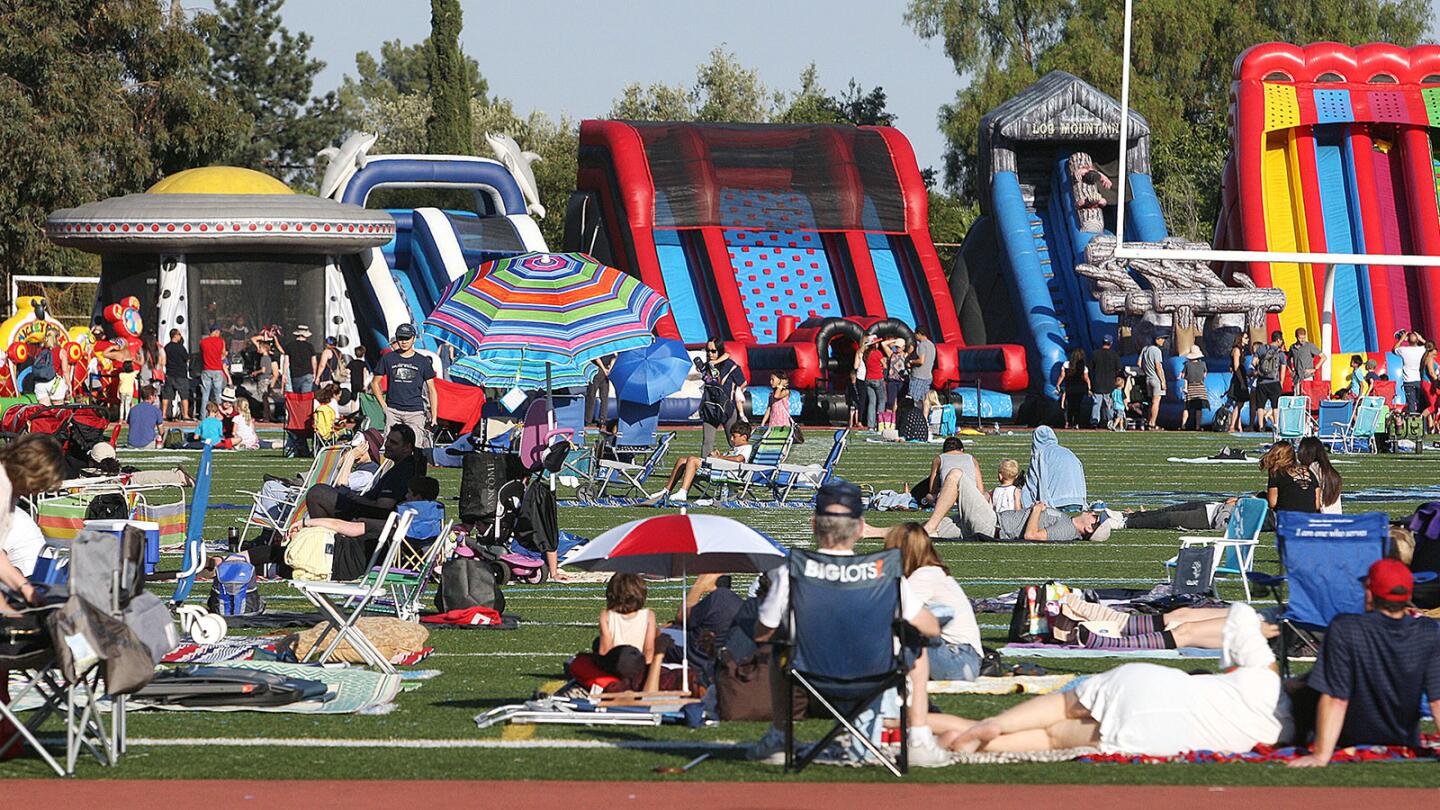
x=233, y=540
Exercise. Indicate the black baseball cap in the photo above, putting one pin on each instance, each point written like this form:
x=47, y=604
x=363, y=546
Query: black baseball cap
x=404, y=331
x=843, y=494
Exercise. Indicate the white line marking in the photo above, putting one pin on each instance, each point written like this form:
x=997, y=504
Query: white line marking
x=310, y=742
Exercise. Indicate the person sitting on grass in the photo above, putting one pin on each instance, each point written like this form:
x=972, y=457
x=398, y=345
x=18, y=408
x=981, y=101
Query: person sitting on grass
x=210, y=432
x=624, y=619
x=956, y=655
x=952, y=457
x=1006, y=495
x=1055, y=475
x=1150, y=709
x=677, y=486
x=1371, y=672
x=146, y=422
x=976, y=518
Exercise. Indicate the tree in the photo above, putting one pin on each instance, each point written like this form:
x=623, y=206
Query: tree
x=101, y=98
x=401, y=70
x=1180, y=78
x=258, y=65
x=448, y=128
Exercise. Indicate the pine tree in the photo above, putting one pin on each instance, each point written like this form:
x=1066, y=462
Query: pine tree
x=259, y=65
x=448, y=128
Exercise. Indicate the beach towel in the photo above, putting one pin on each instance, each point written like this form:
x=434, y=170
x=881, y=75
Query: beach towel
x=1064, y=651
x=1006, y=685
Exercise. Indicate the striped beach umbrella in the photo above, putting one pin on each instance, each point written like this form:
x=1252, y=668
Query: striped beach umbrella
x=508, y=318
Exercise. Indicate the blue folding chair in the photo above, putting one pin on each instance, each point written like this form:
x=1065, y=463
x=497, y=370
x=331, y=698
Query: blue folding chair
x=1324, y=558
x=809, y=478
x=1234, y=550
x=844, y=614
x=1334, y=422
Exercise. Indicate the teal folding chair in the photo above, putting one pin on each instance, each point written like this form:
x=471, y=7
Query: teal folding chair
x=1235, y=549
x=1292, y=419
x=1369, y=417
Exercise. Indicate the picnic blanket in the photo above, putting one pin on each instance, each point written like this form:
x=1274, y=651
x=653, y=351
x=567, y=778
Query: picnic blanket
x=1069, y=651
x=349, y=690
x=1429, y=750
x=1006, y=685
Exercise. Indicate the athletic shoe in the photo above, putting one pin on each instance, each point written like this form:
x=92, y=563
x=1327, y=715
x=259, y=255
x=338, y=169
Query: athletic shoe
x=769, y=749
x=655, y=500
x=928, y=754
x=680, y=496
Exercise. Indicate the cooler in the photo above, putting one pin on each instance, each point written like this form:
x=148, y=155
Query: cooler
x=152, y=536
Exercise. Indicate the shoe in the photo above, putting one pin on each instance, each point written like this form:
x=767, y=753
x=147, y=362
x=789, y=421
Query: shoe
x=655, y=500
x=928, y=754
x=680, y=496
x=769, y=749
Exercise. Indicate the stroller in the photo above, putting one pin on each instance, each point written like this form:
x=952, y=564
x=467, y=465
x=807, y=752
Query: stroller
x=508, y=503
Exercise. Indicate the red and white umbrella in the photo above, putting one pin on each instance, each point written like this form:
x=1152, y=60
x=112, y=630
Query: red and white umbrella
x=679, y=545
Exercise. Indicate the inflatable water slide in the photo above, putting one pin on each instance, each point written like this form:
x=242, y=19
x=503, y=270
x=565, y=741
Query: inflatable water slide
x=789, y=242
x=1014, y=279
x=403, y=280
x=1332, y=152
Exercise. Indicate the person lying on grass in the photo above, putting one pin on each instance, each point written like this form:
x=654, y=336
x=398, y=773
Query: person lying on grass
x=1078, y=621
x=1149, y=709
x=976, y=517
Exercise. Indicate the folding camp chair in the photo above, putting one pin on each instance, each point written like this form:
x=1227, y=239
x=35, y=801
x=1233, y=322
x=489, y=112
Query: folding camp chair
x=1334, y=422
x=844, y=614
x=629, y=475
x=457, y=409
x=405, y=585
x=279, y=513
x=299, y=424
x=1369, y=419
x=1324, y=558
x=106, y=573
x=1235, y=549
x=1292, y=419
x=766, y=456
x=372, y=412
x=342, y=603
x=1315, y=390
x=1385, y=389
x=809, y=477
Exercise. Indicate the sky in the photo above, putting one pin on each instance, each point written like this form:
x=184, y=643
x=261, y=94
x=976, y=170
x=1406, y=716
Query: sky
x=572, y=58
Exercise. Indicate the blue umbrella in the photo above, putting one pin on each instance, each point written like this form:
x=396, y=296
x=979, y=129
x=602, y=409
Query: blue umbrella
x=649, y=374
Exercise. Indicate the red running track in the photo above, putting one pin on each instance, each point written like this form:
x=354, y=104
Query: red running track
x=513, y=795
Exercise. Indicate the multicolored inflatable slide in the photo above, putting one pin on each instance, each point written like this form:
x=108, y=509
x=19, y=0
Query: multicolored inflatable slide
x=1332, y=152
x=791, y=242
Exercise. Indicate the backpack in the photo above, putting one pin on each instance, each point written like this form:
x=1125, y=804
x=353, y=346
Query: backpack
x=714, y=408
x=42, y=368
x=109, y=506
x=1268, y=366
x=174, y=439
x=1220, y=422
x=311, y=552
x=467, y=582
x=234, y=592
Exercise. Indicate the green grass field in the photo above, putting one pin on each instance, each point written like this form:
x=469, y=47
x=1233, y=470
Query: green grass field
x=482, y=669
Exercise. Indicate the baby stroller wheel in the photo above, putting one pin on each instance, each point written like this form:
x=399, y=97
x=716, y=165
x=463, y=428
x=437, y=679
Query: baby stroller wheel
x=503, y=573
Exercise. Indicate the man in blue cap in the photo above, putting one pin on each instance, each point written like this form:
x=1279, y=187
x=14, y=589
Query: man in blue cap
x=1104, y=368
x=837, y=523
x=409, y=378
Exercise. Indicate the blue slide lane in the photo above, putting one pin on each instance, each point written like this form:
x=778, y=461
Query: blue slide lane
x=680, y=286
x=1333, y=174
x=1035, y=306
x=887, y=274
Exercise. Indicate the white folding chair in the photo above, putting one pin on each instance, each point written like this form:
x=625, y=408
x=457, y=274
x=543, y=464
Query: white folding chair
x=342, y=603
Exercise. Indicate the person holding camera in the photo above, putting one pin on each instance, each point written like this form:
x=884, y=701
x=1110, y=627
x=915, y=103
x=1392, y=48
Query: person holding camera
x=1411, y=348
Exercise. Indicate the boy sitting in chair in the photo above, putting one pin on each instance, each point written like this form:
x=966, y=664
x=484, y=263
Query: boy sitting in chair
x=686, y=467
